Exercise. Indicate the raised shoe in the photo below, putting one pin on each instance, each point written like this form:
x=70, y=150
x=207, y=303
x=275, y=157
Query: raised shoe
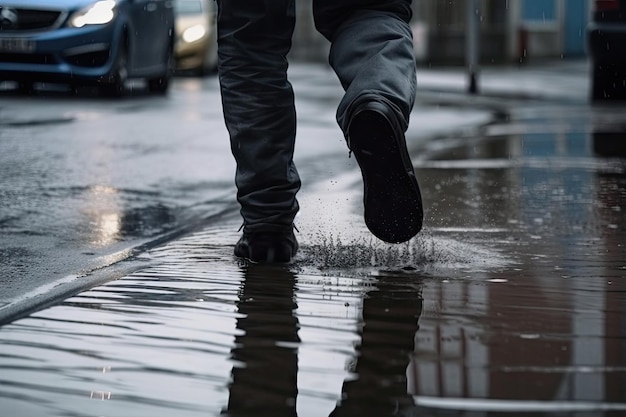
x=392, y=199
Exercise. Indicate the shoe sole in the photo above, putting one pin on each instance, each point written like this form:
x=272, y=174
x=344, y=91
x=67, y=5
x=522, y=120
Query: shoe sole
x=392, y=199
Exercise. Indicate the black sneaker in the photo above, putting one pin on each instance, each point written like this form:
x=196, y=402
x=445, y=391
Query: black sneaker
x=392, y=199
x=267, y=247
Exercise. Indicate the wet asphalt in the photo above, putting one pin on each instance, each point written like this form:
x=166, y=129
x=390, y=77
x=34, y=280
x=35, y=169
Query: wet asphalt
x=87, y=183
x=510, y=302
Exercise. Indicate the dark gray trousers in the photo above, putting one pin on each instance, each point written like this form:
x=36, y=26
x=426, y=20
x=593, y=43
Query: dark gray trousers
x=371, y=53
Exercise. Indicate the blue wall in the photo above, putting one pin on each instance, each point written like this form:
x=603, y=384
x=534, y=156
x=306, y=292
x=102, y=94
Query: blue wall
x=539, y=10
x=574, y=26
x=576, y=20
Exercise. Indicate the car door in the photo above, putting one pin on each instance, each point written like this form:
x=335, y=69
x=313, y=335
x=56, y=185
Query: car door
x=151, y=21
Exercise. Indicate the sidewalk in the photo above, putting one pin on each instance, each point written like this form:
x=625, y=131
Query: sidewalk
x=554, y=80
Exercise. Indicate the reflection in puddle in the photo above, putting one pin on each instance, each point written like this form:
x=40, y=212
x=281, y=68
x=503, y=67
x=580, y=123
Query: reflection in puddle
x=555, y=408
x=198, y=334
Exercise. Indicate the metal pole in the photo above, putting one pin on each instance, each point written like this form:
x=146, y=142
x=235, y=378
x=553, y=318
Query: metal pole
x=472, y=44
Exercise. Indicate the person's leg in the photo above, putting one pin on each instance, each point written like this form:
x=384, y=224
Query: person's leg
x=254, y=38
x=372, y=54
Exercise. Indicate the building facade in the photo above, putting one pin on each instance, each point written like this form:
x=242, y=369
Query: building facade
x=510, y=30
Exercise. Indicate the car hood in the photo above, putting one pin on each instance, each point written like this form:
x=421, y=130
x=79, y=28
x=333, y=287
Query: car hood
x=51, y=4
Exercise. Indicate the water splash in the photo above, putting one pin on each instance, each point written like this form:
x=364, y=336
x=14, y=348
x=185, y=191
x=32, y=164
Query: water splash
x=424, y=252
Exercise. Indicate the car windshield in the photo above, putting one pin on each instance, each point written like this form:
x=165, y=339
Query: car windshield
x=184, y=7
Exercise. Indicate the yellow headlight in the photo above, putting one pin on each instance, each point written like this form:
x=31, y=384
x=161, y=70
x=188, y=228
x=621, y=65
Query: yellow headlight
x=194, y=33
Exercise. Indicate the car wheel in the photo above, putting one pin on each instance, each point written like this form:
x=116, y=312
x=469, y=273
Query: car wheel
x=74, y=89
x=115, y=85
x=25, y=87
x=608, y=82
x=161, y=84
x=209, y=64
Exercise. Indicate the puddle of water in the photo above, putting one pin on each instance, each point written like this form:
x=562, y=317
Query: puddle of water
x=199, y=334
x=511, y=301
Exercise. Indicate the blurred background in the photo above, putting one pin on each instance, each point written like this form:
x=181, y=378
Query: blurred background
x=513, y=31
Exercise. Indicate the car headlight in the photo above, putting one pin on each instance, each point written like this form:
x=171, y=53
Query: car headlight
x=99, y=13
x=194, y=33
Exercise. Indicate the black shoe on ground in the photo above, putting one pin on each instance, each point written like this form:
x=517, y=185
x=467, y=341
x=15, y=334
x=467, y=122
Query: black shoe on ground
x=267, y=247
x=392, y=199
